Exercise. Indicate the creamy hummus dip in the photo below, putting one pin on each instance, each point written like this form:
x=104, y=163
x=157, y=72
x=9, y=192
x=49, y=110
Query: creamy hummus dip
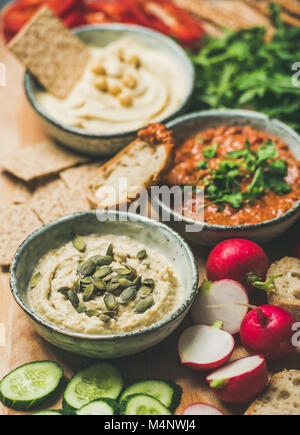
x=124, y=87
x=59, y=270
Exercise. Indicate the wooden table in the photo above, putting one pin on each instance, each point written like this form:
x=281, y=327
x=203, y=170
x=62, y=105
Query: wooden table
x=19, y=344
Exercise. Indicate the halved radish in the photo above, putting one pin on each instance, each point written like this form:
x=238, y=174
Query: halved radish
x=240, y=381
x=216, y=301
x=201, y=409
x=204, y=347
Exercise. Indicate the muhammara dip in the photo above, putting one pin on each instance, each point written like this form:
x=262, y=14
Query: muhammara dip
x=61, y=291
x=125, y=87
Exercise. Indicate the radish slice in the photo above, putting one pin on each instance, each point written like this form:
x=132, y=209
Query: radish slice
x=201, y=409
x=204, y=347
x=223, y=294
x=240, y=381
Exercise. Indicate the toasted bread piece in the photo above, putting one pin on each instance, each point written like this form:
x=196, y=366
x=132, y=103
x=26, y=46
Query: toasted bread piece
x=282, y=396
x=286, y=293
x=138, y=166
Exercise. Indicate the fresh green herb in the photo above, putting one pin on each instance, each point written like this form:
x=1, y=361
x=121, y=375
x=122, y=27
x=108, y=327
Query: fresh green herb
x=211, y=151
x=202, y=165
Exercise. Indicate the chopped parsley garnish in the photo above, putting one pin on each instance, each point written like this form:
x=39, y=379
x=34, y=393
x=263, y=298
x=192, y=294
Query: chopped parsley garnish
x=223, y=184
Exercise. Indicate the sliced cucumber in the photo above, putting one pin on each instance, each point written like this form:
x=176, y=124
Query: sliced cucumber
x=99, y=407
x=168, y=393
x=141, y=404
x=29, y=385
x=48, y=413
x=101, y=380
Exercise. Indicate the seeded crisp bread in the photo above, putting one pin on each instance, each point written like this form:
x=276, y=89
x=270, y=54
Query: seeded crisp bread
x=78, y=177
x=40, y=160
x=55, y=56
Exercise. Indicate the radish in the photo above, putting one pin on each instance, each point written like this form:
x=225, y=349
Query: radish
x=240, y=381
x=201, y=409
x=215, y=301
x=204, y=347
x=267, y=330
x=241, y=260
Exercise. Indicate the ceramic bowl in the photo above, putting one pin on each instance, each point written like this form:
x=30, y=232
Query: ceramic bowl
x=102, y=35
x=149, y=232
x=188, y=126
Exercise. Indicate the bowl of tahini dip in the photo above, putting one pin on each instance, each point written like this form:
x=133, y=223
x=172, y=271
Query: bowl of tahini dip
x=135, y=76
x=104, y=284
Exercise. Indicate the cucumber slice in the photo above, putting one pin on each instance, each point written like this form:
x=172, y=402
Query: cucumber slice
x=48, y=413
x=99, y=407
x=30, y=385
x=141, y=404
x=101, y=380
x=168, y=393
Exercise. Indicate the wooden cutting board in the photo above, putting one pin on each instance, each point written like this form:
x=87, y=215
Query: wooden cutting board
x=19, y=344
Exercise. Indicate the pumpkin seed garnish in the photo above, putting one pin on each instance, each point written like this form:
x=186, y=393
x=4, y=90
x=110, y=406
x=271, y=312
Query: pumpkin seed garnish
x=88, y=293
x=99, y=284
x=137, y=282
x=77, y=286
x=104, y=318
x=142, y=255
x=128, y=294
x=122, y=271
x=110, y=302
x=144, y=305
x=108, y=278
x=111, y=314
x=102, y=272
x=125, y=282
x=86, y=268
x=132, y=269
x=92, y=313
x=149, y=283
x=81, y=308
x=64, y=291
x=145, y=291
x=110, y=250
x=35, y=280
x=112, y=287
x=73, y=298
x=79, y=244
x=102, y=260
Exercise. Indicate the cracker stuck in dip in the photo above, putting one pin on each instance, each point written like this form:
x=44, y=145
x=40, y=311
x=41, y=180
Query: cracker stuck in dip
x=104, y=285
x=125, y=86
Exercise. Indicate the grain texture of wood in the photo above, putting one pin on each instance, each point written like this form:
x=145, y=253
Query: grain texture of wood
x=19, y=127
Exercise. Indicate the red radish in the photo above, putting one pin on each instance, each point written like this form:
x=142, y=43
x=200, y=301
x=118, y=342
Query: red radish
x=204, y=347
x=201, y=409
x=238, y=259
x=215, y=301
x=267, y=330
x=240, y=381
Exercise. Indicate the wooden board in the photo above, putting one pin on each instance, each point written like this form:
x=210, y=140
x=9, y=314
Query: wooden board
x=20, y=127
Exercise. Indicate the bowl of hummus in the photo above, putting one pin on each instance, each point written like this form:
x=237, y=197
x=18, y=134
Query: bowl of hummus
x=104, y=284
x=135, y=76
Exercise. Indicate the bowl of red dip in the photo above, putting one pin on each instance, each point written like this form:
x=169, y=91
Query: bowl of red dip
x=245, y=167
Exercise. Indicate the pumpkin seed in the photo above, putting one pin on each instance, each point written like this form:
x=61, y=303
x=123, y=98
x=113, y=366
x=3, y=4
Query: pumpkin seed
x=73, y=298
x=132, y=269
x=122, y=271
x=102, y=260
x=112, y=287
x=108, y=278
x=125, y=282
x=104, y=318
x=110, y=251
x=99, y=284
x=64, y=291
x=111, y=314
x=137, y=282
x=142, y=255
x=88, y=293
x=35, y=280
x=110, y=302
x=149, y=283
x=81, y=308
x=79, y=244
x=144, y=305
x=145, y=291
x=92, y=313
x=86, y=268
x=102, y=272
x=127, y=295
x=77, y=286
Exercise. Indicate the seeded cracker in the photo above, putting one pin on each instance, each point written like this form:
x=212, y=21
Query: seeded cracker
x=55, y=56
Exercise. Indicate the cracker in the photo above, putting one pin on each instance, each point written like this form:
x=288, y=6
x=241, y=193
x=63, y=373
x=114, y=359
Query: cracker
x=55, y=56
x=16, y=223
x=40, y=160
x=52, y=188
x=78, y=177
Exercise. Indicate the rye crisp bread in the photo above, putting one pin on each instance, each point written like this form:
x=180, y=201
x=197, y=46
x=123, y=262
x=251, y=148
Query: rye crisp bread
x=78, y=177
x=39, y=160
x=55, y=56
x=16, y=223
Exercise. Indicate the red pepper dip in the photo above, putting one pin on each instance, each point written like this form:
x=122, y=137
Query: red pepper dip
x=248, y=176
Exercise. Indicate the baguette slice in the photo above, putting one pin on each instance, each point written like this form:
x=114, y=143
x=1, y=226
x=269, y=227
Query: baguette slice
x=138, y=166
x=286, y=293
x=282, y=396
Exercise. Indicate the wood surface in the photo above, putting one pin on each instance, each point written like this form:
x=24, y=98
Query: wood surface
x=19, y=344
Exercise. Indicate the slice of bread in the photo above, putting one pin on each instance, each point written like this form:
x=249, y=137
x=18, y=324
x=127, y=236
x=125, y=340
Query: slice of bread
x=286, y=293
x=282, y=397
x=138, y=166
